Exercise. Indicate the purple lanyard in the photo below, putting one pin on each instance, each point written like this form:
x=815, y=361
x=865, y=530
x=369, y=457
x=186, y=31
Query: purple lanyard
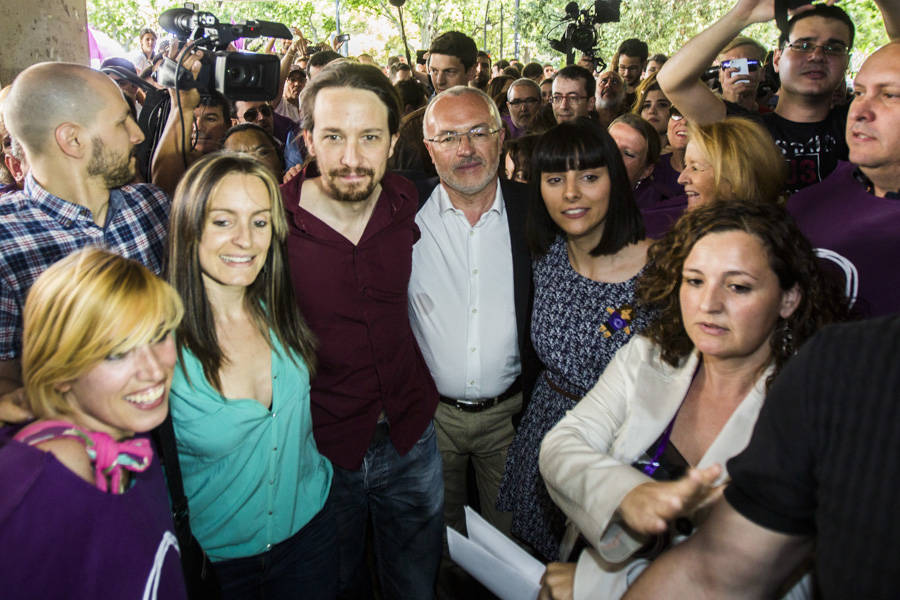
x=651, y=467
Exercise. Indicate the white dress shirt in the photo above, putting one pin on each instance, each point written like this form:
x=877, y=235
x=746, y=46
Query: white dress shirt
x=461, y=303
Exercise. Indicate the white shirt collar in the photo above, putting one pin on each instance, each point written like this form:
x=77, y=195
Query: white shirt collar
x=444, y=204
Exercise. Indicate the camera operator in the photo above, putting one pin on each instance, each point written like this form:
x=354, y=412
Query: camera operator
x=175, y=151
x=208, y=66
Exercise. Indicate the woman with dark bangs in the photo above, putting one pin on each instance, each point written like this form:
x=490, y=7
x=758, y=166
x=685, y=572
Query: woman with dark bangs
x=587, y=238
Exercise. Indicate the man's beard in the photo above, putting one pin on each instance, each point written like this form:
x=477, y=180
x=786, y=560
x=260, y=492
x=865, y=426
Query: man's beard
x=610, y=101
x=355, y=193
x=116, y=171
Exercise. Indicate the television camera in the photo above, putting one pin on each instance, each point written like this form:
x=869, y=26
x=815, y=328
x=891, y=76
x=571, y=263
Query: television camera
x=581, y=32
x=236, y=75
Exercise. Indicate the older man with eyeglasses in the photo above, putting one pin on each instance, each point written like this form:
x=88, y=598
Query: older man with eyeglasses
x=573, y=93
x=469, y=294
x=523, y=98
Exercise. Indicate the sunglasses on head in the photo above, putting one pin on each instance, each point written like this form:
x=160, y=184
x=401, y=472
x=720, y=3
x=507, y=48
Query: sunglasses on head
x=251, y=113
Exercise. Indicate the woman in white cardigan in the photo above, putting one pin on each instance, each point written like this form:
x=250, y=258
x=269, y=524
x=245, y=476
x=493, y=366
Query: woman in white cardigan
x=634, y=464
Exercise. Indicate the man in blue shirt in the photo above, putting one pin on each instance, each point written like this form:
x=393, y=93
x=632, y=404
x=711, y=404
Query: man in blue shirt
x=80, y=146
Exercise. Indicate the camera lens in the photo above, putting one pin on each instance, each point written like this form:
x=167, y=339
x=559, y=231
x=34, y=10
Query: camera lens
x=237, y=75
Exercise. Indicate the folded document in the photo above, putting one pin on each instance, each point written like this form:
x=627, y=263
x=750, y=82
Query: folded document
x=496, y=561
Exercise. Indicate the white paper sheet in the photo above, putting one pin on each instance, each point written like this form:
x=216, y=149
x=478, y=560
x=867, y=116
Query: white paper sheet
x=495, y=560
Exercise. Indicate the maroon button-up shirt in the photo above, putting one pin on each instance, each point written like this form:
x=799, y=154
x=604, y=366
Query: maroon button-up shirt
x=354, y=297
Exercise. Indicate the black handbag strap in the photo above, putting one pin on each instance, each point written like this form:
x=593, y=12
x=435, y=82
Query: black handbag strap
x=165, y=441
x=199, y=576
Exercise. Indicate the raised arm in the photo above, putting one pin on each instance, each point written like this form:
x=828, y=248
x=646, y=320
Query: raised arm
x=168, y=163
x=679, y=77
x=729, y=557
x=890, y=12
x=298, y=45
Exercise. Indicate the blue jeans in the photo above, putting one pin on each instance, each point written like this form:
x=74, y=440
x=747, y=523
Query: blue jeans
x=404, y=496
x=302, y=566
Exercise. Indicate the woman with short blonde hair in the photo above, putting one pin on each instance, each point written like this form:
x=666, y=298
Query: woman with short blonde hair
x=732, y=159
x=80, y=294
x=86, y=512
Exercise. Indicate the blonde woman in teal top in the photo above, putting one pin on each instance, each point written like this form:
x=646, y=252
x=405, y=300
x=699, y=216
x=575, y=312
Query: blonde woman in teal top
x=256, y=485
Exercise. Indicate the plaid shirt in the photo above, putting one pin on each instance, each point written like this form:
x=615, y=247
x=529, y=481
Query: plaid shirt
x=37, y=229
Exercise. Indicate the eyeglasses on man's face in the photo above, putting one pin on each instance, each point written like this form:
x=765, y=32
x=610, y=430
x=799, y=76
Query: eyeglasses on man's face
x=568, y=98
x=520, y=101
x=450, y=140
x=809, y=46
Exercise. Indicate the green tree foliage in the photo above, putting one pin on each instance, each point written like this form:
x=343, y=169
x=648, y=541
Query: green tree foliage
x=664, y=24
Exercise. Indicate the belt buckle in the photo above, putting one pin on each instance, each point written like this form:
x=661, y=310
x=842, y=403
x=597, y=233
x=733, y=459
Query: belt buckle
x=467, y=406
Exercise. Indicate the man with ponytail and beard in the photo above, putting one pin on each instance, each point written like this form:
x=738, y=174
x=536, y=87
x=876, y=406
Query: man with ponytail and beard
x=79, y=137
x=351, y=229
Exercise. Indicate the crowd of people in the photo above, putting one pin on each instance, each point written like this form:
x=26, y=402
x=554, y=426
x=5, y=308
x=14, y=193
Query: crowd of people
x=642, y=318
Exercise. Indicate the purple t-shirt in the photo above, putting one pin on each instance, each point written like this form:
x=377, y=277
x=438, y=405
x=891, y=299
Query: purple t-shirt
x=61, y=537
x=856, y=232
x=661, y=198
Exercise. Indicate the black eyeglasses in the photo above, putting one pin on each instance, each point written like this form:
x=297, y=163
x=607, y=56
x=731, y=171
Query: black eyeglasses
x=737, y=63
x=252, y=113
x=808, y=47
x=570, y=98
x=519, y=101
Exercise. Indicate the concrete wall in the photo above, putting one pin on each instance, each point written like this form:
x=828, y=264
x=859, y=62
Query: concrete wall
x=39, y=30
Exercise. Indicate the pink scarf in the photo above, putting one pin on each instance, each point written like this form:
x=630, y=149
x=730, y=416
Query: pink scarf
x=109, y=456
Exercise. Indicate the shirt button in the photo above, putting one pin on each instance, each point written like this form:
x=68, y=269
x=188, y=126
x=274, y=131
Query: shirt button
x=270, y=513
x=474, y=271
x=472, y=349
x=471, y=233
x=474, y=310
x=273, y=415
x=275, y=449
x=472, y=382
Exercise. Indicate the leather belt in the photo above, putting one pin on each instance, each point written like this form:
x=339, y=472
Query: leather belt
x=563, y=392
x=481, y=404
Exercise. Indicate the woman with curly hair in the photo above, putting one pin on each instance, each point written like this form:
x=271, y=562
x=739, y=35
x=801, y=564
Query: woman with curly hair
x=632, y=465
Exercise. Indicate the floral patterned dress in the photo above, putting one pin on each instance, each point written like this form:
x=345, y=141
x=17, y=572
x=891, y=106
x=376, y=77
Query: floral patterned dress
x=577, y=326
